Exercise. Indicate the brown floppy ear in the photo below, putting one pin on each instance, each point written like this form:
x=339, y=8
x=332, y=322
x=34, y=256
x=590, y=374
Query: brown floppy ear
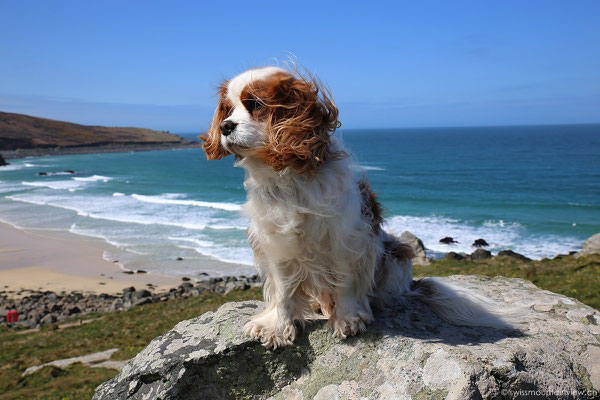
x=212, y=139
x=300, y=118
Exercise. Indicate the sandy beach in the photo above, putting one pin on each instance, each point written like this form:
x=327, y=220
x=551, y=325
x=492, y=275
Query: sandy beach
x=61, y=261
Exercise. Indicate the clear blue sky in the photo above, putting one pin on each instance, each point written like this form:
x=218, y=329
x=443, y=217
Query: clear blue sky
x=389, y=64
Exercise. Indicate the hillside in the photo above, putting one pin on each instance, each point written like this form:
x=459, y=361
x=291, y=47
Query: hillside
x=18, y=131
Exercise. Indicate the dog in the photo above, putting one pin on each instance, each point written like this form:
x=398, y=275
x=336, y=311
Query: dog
x=315, y=227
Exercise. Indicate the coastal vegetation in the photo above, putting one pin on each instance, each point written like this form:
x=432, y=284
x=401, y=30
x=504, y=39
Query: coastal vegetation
x=23, y=136
x=130, y=331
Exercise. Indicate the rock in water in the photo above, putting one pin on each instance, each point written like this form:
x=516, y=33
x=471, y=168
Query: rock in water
x=3, y=161
x=480, y=243
x=417, y=245
x=591, y=246
x=408, y=352
x=448, y=240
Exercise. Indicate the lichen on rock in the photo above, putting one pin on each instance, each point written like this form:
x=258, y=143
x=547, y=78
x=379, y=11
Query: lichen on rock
x=407, y=353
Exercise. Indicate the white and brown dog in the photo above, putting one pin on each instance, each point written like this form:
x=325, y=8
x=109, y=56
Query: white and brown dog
x=315, y=228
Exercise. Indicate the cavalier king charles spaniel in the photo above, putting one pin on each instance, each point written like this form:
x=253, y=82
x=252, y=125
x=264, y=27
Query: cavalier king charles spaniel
x=315, y=228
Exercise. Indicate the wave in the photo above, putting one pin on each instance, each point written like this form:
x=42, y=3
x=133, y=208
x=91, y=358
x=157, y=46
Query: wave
x=168, y=199
x=123, y=209
x=364, y=167
x=16, y=167
x=56, y=185
x=223, y=253
x=499, y=234
x=93, y=178
x=118, y=194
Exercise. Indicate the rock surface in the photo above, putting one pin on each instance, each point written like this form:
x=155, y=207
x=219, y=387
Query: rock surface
x=407, y=353
x=591, y=246
x=418, y=247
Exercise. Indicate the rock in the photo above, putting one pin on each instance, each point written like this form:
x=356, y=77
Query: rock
x=408, y=352
x=480, y=243
x=69, y=171
x=454, y=256
x=48, y=319
x=179, y=258
x=140, y=297
x=591, y=246
x=512, y=254
x=448, y=240
x=3, y=161
x=418, y=248
x=42, y=173
x=235, y=285
x=480, y=254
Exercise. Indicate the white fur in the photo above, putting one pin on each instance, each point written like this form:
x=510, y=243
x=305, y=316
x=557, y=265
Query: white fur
x=314, y=247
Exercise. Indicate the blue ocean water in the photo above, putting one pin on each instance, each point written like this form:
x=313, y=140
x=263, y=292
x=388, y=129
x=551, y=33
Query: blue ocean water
x=535, y=190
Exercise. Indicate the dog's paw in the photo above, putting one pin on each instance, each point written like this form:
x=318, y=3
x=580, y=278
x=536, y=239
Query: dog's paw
x=349, y=324
x=271, y=335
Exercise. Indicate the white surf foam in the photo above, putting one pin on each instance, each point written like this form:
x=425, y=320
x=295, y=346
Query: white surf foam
x=93, y=178
x=56, y=185
x=168, y=198
x=228, y=254
x=501, y=235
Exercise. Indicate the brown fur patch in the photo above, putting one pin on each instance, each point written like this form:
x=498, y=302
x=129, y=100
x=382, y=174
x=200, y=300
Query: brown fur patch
x=212, y=138
x=370, y=207
x=299, y=117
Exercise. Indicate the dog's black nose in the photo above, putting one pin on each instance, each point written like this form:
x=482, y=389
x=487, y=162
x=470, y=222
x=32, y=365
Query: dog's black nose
x=227, y=127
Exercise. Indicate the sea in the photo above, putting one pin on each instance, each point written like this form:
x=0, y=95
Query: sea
x=534, y=190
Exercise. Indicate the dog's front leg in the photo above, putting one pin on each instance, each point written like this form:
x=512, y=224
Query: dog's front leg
x=275, y=326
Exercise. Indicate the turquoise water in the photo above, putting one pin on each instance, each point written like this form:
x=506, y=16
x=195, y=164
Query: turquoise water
x=535, y=190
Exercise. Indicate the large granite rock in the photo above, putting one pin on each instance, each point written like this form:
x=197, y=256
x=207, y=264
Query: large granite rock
x=418, y=247
x=591, y=246
x=408, y=353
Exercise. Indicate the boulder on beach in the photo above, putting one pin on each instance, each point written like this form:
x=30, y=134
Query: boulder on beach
x=512, y=254
x=408, y=352
x=480, y=243
x=591, y=246
x=418, y=248
x=480, y=254
x=3, y=161
x=448, y=240
x=454, y=256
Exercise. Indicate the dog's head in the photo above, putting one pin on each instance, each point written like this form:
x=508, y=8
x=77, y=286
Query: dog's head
x=278, y=117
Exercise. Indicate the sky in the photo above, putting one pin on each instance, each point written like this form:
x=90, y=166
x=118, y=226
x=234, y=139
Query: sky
x=156, y=64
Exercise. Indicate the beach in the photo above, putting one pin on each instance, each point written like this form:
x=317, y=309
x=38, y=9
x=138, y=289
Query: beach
x=42, y=260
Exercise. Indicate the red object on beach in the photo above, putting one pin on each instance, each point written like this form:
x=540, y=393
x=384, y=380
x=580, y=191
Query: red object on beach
x=12, y=316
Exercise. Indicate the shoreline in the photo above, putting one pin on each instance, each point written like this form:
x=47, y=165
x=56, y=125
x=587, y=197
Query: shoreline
x=98, y=149
x=33, y=260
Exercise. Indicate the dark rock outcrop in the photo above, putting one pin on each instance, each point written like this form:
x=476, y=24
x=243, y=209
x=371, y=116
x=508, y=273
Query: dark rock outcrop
x=448, y=240
x=480, y=243
x=480, y=254
x=3, y=161
x=512, y=254
x=454, y=256
x=408, y=352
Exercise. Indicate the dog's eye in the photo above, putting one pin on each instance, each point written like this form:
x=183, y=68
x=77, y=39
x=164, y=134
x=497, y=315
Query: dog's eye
x=252, y=105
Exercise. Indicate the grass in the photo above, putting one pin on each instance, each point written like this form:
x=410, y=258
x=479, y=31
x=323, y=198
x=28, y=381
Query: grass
x=132, y=330
x=573, y=277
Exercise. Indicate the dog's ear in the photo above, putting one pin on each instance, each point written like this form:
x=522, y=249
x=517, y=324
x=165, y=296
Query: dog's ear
x=212, y=138
x=299, y=119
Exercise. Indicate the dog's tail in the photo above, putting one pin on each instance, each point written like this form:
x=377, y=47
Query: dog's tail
x=461, y=306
